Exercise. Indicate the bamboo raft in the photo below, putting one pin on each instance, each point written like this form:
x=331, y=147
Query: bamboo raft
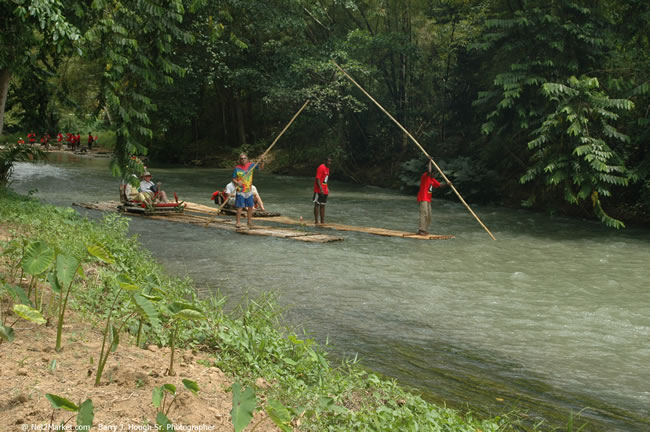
x=199, y=214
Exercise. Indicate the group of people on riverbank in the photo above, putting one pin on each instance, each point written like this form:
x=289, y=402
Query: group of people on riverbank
x=72, y=140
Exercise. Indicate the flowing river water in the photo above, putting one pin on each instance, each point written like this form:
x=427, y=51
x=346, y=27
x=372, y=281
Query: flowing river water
x=551, y=318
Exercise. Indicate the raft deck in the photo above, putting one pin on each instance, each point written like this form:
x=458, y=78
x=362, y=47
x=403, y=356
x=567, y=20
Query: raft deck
x=199, y=213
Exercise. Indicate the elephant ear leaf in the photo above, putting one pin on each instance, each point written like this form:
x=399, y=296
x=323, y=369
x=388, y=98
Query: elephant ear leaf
x=163, y=422
x=59, y=402
x=279, y=414
x=189, y=315
x=191, y=386
x=101, y=253
x=147, y=310
x=126, y=283
x=86, y=414
x=38, y=257
x=28, y=313
x=157, y=396
x=6, y=333
x=66, y=268
x=18, y=294
x=54, y=281
x=243, y=405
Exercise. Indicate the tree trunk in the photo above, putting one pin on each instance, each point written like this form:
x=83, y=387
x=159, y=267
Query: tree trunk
x=5, y=76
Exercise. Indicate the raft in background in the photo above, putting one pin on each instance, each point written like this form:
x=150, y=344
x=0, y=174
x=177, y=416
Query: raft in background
x=201, y=214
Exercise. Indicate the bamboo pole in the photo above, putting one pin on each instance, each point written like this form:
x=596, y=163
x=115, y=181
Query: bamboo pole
x=261, y=158
x=417, y=144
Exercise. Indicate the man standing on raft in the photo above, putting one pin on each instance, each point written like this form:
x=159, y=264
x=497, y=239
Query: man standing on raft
x=242, y=177
x=427, y=184
x=321, y=191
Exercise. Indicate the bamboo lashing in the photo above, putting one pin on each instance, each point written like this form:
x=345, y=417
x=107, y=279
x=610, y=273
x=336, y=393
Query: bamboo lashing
x=261, y=158
x=417, y=144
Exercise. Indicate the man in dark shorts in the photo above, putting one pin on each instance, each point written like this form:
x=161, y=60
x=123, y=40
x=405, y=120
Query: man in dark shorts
x=321, y=191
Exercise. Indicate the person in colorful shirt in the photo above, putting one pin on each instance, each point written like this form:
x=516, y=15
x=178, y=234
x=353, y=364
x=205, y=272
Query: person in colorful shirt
x=321, y=190
x=242, y=177
x=427, y=184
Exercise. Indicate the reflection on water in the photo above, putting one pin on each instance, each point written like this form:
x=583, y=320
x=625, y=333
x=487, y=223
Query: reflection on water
x=553, y=316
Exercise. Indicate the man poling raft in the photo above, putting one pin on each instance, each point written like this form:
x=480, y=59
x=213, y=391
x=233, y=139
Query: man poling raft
x=418, y=145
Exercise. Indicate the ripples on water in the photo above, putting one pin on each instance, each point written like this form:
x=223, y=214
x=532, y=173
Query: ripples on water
x=554, y=315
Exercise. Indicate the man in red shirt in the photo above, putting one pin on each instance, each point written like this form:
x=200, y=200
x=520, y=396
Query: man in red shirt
x=427, y=184
x=321, y=190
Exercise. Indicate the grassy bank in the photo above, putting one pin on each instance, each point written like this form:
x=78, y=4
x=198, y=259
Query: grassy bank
x=292, y=377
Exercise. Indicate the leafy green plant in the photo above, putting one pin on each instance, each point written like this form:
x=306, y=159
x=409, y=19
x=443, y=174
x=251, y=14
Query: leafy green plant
x=85, y=410
x=138, y=305
x=67, y=267
x=37, y=259
x=159, y=399
x=179, y=313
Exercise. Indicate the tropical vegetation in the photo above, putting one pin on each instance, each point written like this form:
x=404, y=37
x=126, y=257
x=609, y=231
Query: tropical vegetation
x=543, y=103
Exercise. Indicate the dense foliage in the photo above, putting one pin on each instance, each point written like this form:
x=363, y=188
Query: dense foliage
x=543, y=103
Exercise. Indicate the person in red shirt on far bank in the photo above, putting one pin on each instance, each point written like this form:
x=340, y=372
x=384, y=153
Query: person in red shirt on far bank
x=321, y=190
x=427, y=184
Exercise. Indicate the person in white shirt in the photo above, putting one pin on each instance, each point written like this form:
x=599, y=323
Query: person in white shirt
x=131, y=193
x=259, y=204
x=151, y=189
x=229, y=193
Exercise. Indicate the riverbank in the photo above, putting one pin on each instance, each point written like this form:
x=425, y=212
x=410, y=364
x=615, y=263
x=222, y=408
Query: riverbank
x=293, y=380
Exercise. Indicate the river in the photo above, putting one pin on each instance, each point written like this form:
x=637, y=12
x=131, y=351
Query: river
x=553, y=317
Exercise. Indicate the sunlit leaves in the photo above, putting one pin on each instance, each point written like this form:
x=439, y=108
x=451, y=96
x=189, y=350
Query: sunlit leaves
x=59, y=402
x=29, y=314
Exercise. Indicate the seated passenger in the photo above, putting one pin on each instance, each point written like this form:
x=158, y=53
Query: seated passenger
x=228, y=194
x=131, y=193
x=259, y=204
x=152, y=190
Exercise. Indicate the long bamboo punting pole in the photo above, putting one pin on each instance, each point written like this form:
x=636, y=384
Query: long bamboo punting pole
x=295, y=116
x=417, y=144
x=261, y=158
